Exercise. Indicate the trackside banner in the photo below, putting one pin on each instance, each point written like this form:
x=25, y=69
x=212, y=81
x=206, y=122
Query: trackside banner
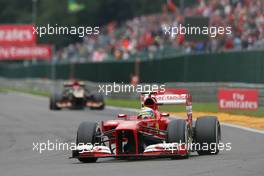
x=243, y=99
x=25, y=52
x=17, y=35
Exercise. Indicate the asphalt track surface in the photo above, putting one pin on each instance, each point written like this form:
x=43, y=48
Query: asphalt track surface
x=26, y=119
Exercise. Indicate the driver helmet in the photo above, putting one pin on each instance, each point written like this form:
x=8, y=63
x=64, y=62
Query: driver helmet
x=146, y=112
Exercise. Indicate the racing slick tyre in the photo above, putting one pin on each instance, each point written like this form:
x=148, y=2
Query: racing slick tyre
x=86, y=134
x=178, y=133
x=207, y=135
x=54, y=98
x=99, y=98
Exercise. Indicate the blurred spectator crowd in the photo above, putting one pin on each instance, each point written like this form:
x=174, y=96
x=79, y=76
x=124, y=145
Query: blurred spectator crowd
x=144, y=37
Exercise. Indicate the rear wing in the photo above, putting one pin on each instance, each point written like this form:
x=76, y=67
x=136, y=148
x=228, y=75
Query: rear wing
x=169, y=97
x=71, y=83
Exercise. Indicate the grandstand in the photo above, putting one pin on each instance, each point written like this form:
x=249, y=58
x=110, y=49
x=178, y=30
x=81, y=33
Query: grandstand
x=143, y=36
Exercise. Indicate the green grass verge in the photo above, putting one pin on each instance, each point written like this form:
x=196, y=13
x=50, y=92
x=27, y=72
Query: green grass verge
x=2, y=90
x=32, y=92
x=199, y=107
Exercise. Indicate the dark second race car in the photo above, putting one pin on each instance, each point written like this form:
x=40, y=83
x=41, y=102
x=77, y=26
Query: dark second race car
x=150, y=133
x=75, y=95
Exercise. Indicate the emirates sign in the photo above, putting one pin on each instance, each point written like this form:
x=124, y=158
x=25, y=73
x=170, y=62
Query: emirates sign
x=242, y=99
x=17, y=35
x=18, y=42
x=25, y=52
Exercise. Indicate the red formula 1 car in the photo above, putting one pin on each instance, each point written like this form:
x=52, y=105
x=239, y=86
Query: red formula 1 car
x=150, y=133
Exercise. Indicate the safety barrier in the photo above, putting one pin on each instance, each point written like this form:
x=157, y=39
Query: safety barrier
x=247, y=66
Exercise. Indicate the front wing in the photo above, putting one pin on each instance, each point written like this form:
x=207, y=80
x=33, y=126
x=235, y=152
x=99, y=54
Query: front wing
x=69, y=104
x=156, y=150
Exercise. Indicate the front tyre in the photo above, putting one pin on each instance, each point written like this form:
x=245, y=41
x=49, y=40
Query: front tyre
x=178, y=133
x=86, y=134
x=98, y=98
x=54, y=98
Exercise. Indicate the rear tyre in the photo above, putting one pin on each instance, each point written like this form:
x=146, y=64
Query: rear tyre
x=207, y=135
x=86, y=134
x=54, y=98
x=178, y=133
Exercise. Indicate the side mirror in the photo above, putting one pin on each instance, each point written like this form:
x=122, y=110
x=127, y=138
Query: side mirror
x=122, y=116
x=165, y=114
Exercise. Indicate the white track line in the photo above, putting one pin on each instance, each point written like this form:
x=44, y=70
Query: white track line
x=243, y=128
